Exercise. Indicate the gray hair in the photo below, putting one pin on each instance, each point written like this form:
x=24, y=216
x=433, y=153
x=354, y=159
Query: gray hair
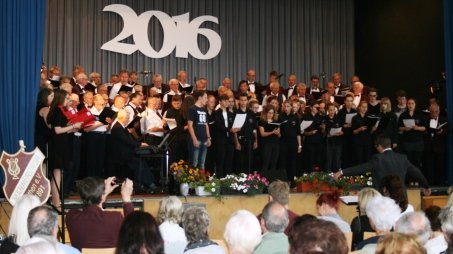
x=242, y=232
x=383, y=212
x=275, y=217
x=42, y=220
x=170, y=210
x=446, y=219
x=195, y=221
x=415, y=223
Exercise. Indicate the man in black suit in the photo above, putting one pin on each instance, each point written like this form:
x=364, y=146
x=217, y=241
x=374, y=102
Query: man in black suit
x=340, y=87
x=223, y=137
x=435, y=143
x=385, y=163
x=291, y=86
x=158, y=86
x=254, y=86
x=122, y=152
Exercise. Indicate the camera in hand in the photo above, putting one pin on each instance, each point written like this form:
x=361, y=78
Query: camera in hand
x=118, y=181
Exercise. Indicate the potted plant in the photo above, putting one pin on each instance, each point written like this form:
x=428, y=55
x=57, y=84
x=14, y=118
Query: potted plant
x=304, y=182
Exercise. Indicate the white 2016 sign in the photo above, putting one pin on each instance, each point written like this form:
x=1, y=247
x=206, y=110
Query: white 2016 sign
x=178, y=33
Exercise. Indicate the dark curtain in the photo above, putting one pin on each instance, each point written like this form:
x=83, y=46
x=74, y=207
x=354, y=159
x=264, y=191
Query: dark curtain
x=21, y=46
x=448, y=26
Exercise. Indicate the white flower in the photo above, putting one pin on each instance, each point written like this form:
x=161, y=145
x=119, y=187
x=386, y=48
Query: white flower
x=213, y=184
x=245, y=191
x=213, y=190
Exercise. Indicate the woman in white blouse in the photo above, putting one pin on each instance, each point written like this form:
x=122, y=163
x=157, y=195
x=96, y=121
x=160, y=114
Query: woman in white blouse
x=170, y=213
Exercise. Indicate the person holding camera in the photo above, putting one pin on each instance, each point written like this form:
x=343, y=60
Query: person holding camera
x=92, y=227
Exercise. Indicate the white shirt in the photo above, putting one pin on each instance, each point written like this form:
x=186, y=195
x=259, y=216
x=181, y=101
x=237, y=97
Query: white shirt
x=436, y=244
x=172, y=232
x=116, y=88
x=150, y=119
x=335, y=218
x=171, y=92
x=251, y=86
x=130, y=111
x=103, y=127
x=357, y=99
x=291, y=91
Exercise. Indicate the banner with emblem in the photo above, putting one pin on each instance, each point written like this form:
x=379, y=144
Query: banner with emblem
x=24, y=175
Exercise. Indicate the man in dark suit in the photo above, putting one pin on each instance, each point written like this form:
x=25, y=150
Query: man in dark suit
x=385, y=163
x=435, y=143
x=158, y=86
x=223, y=137
x=122, y=152
x=340, y=87
x=291, y=86
x=254, y=86
x=93, y=227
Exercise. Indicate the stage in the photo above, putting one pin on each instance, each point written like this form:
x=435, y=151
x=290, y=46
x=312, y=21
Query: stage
x=220, y=211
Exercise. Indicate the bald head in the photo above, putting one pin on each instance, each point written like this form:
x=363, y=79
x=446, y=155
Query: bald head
x=275, y=218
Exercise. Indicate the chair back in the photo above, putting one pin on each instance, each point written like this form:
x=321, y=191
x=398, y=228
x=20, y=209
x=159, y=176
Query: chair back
x=98, y=250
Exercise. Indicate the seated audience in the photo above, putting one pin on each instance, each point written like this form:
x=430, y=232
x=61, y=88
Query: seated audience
x=242, y=232
x=93, y=227
x=139, y=234
x=327, y=206
x=279, y=192
x=437, y=242
x=415, y=223
x=446, y=220
x=309, y=235
x=170, y=212
x=399, y=243
x=273, y=222
x=42, y=223
x=17, y=231
x=383, y=212
x=393, y=187
x=195, y=221
x=361, y=223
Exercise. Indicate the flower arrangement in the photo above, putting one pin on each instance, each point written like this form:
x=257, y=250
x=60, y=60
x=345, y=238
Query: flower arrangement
x=213, y=186
x=245, y=184
x=185, y=173
x=319, y=181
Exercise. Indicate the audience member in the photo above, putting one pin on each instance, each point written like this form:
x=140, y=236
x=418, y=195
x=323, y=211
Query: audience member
x=139, y=234
x=42, y=223
x=273, y=222
x=309, y=235
x=170, y=212
x=393, y=187
x=383, y=212
x=361, y=223
x=93, y=227
x=279, y=192
x=437, y=242
x=327, y=206
x=446, y=220
x=195, y=221
x=242, y=232
x=399, y=243
x=415, y=223
x=18, y=232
